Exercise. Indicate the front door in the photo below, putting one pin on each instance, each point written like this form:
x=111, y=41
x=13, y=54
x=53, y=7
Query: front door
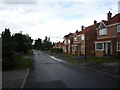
x=107, y=48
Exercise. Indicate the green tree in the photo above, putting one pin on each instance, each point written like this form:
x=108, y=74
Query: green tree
x=47, y=44
x=21, y=43
x=7, y=52
x=38, y=43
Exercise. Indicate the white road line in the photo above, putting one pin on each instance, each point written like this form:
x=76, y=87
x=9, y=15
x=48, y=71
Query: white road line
x=23, y=83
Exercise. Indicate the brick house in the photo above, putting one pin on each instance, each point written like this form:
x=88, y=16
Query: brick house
x=67, y=43
x=88, y=36
x=76, y=47
x=108, y=36
x=58, y=45
x=83, y=41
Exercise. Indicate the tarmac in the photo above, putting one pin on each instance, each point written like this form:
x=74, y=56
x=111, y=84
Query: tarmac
x=16, y=78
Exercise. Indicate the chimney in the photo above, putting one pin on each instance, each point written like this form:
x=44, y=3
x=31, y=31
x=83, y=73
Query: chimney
x=82, y=27
x=119, y=7
x=95, y=22
x=109, y=15
x=76, y=31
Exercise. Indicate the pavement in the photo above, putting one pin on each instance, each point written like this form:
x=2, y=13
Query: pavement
x=13, y=79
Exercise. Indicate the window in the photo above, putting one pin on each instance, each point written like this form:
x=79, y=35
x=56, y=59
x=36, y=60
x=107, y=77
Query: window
x=118, y=28
x=103, y=31
x=74, y=48
x=82, y=48
x=99, y=46
x=82, y=37
x=75, y=38
x=118, y=46
x=68, y=41
x=65, y=42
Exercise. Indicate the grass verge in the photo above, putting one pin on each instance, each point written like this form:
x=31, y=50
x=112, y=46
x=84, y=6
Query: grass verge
x=91, y=59
x=21, y=62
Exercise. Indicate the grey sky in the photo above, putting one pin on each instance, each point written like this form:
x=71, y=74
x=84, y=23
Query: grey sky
x=53, y=18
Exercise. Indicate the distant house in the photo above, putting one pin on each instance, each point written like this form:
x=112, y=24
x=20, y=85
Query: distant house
x=68, y=40
x=58, y=45
x=108, y=36
x=76, y=44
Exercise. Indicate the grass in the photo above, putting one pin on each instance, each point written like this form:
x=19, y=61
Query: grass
x=21, y=62
x=29, y=53
x=91, y=59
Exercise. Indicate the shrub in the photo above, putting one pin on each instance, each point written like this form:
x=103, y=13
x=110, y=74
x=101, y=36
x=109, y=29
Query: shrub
x=57, y=50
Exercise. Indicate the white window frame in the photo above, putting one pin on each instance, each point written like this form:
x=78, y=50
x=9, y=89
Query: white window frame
x=65, y=42
x=118, y=28
x=103, y=31
x=74, y=48
x=75, y=38
x=68, y=41
x=118, y=46
x=82, y=37
x=97, y=48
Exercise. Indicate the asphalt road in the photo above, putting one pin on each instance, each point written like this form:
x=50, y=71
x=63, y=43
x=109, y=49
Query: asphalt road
x=49, y=72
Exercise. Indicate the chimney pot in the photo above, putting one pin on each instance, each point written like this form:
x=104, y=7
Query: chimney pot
x=82, y=27
x=95, y=22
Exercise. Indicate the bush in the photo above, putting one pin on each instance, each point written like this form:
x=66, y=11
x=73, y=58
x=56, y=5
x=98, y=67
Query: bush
x=57, y=50
x=8, y=63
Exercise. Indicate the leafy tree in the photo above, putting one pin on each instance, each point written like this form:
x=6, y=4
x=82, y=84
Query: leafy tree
x=38, y=43
x=47, y=44
x=7, y=52
x=21, y=43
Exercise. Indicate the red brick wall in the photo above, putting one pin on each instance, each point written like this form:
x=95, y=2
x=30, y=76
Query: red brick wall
x=99, y=53
x=90, y=39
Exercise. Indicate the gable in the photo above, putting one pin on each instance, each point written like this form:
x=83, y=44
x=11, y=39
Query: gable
x=102, y=25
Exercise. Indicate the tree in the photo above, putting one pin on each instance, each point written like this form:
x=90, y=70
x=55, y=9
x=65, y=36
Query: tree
x=46, y=43
x=38, y=43
x=7, y=52
x=21, y=43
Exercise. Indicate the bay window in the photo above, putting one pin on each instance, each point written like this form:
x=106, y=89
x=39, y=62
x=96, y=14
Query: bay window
x=99, y=46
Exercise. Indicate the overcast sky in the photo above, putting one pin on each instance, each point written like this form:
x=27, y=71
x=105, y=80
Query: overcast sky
x=53, y=18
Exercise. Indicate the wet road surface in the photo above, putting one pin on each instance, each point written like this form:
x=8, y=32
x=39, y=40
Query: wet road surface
x=50, y=72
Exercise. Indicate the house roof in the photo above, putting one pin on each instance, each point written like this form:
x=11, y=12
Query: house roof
x=105, y=39
x=59, y=43
x=87, y=29
x=68, y=36
x=105, y=22
x=113, y=20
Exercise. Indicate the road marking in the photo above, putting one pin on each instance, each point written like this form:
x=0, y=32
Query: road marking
x=23, y=83
x=56, y=59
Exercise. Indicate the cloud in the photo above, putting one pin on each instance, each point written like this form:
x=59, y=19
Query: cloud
x=53, y=18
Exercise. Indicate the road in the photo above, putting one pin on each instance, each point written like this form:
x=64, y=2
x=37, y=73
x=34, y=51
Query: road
x=49, y=72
